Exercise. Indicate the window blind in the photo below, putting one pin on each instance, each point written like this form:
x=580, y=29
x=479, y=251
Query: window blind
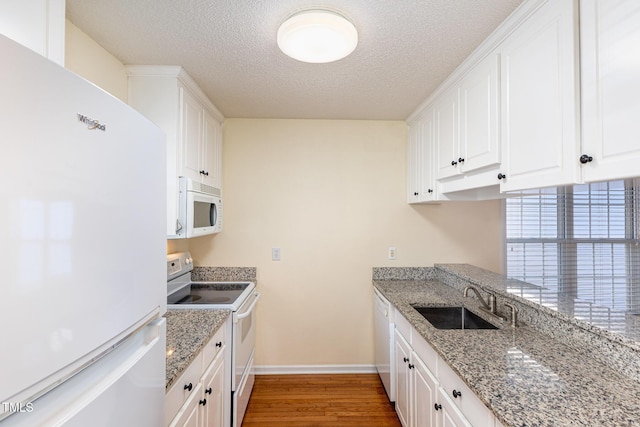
x=580, y=241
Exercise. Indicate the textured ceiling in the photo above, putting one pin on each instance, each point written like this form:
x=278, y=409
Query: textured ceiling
x=406, y=48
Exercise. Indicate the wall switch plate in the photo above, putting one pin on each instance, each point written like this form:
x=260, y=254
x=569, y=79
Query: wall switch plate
x=392, y=252
x=275, y=254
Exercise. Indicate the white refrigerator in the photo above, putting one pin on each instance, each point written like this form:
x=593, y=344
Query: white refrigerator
x=82, y=252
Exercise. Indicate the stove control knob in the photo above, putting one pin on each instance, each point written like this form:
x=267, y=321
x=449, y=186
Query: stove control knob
x=187, y=261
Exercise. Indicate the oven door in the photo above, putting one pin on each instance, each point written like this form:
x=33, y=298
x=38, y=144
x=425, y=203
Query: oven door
x=244, y=337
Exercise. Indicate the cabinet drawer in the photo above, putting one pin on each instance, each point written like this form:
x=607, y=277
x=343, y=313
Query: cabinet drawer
x=188, y=415
x=470, y=405
x=178, y=394
x=403, y=326
x=425, y=352
x=214, y=346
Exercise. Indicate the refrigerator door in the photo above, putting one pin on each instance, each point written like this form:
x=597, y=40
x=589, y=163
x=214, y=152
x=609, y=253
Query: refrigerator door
x=82, y=222
x=124, y=388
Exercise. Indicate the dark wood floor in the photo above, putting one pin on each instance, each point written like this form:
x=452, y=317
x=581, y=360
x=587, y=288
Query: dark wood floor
x=319, y=401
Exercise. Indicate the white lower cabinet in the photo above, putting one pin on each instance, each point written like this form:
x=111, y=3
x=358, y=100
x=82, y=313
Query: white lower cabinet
x=429, y=393
x=200, y=397
x=403, y=379
x=425, y=386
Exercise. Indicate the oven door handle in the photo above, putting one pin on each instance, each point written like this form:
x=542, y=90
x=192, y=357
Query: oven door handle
x=250, y=310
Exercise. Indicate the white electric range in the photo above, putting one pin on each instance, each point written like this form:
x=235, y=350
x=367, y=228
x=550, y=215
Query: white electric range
x=239, y=297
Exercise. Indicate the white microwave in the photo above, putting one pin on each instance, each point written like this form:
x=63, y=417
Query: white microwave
x=199, y=209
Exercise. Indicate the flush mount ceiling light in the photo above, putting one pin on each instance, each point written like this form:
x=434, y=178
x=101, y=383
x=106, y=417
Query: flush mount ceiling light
x=317, y=36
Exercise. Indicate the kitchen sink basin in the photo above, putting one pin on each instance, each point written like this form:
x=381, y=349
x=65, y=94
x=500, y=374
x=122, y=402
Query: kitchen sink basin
x=453, y=318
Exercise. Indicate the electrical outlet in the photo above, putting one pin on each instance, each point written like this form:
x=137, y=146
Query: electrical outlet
x=392, y=252
x=275, y=254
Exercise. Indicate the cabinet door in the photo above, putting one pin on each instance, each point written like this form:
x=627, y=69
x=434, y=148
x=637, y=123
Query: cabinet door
x=421, y=183
x=403, y=379
x=413, y=162
x=446, y=134
x=191, y=125
x=539, y=100
x=212, y=151
x=479, y=131
x=610, y=37
x=424, y=394
x=36, y=24
x=427, y=182
x=213, y=388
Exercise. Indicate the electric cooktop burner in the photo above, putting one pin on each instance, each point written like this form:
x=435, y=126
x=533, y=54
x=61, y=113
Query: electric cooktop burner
x=189, y=299
x=211, y=294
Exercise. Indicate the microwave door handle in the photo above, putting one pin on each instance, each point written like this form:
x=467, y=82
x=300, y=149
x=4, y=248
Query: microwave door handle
x=248, y=312
x=213, y=214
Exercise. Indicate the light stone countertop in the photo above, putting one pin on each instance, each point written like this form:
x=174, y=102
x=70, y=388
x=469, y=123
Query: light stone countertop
x=187, y=333
x=525, y=377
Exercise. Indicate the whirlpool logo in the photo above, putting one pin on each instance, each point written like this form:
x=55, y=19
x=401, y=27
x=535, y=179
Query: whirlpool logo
x=91, y=123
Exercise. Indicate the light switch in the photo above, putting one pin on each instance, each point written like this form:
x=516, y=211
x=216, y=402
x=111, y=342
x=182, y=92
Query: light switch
x=275, y=254
x=392, y=252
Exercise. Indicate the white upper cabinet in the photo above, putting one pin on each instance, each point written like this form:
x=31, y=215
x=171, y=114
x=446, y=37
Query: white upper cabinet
x=445, y=111
x=172, y=100
x=36, y=24
x=191, y=113
x=413, y=162
x=421, y=184
x=212, y=151
x=202, y=142
x=466, y=122
x=610, y=42
x=540, y=108
x=479, y=145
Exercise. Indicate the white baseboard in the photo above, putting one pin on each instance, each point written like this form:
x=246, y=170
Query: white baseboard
x=314, y=369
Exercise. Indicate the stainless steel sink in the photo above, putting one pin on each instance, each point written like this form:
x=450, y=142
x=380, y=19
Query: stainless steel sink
x=453, y=318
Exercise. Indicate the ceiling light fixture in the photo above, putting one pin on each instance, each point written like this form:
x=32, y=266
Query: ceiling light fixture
x=317, y=36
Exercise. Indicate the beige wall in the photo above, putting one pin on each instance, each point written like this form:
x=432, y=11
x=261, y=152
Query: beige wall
x=88, y=59
x=331, y=195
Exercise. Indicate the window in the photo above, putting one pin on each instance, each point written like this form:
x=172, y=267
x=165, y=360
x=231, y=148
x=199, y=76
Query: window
x=582, y=242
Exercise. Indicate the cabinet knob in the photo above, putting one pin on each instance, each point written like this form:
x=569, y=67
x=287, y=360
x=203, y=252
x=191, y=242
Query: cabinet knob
x=201, y=172
x=415, y=194
x=429, y=191
x=461, y=160
x=219, y=344
x=453, y=163
x=206, y=173
x=502, y=176
x=585, y=159
x=208, y=391
x=456, y=393
x=188, y=386
x=411, y=366
x=405, y=359
x=437, y=406
x=203, y=402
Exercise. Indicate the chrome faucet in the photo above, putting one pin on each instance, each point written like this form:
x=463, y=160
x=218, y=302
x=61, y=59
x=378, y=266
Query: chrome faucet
x=492, y=301
x=489, y=306
x=514, y=314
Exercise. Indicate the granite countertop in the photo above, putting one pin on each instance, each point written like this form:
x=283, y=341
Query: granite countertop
x=187, y=333
x=525, y=377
